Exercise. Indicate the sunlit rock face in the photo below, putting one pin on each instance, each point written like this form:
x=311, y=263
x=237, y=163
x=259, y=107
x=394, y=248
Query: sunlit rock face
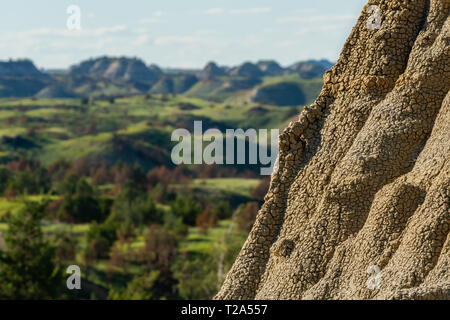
x=360, y=205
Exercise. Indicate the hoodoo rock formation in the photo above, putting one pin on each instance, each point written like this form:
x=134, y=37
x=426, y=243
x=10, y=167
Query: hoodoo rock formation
x=364, y=174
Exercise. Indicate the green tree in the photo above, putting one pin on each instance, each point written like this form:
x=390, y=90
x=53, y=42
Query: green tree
x=175, y=227
x=100, y=238
x=29, y=182
x=223, y=210
x=159, y=252
x=83, y=205
x=140, y=288
x=131, y=191
x=134, y=208
x=4, y=178
x=196, y=277
x=187, y=208
x=28, y=269
x=200, y=276
x=69, y=185
x=160, y=248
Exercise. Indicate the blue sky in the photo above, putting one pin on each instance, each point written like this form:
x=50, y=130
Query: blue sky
x=177, y=33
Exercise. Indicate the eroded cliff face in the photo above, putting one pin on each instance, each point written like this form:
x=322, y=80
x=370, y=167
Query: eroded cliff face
x=364, y=174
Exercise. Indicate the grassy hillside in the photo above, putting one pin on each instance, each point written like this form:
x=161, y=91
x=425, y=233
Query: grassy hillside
x=311, y=88
x=112, y=200
x=55, y=129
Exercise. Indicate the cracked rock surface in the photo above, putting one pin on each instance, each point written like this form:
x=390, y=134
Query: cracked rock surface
x=364, y=173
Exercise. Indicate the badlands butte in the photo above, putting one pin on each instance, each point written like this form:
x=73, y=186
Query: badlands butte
x=364, y=173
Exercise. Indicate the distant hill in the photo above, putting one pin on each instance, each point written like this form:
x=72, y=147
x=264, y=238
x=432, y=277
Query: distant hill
x=270, y=68
x=212, y=70
x=55, y=91
x=21, y=68
x=310, y=69
x=156, y=70
x=280, y=94
x=130, y=69
x=208, y=89
x=165, y=85
x=20, y=87
x=247, y=69
x=125, y=76
x=174, y=84
x=21, y=78
x=327, y=64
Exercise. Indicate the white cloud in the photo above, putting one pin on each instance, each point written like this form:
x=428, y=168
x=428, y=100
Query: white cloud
x=200, y=44
x=215, y=11
x=170, y=40
x=150, y=21
x=63, y=42
x=331, y=29
x=42, y=32
x=104, y=31
x=305, y=11
x=155, y=18
x=287, y=44
x=206, y=32
x=238, y=11
x=312, y=19
x=251, y=11
x=252, y=40
x=142, y=40
x=141, y=30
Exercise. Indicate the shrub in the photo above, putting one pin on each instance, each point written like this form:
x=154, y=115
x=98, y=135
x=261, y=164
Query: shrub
x=69, y=185
x=160, y=248
x=28, y=269
x=197, y=278
x=223, y=210
x=102, y=175
x=29, y=182
x=186, y=207
x=161, y=193
x=65, y=247
x=143, y=287
x=83, y=206
x=206, y=220
x=4, y=179
x=175, y=227
x=134, y=207
x=118, y=258
x=100, y=238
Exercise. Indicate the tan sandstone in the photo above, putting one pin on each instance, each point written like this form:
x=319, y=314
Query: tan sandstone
x=364, y=174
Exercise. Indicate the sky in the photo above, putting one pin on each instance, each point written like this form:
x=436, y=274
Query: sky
x=177, y=33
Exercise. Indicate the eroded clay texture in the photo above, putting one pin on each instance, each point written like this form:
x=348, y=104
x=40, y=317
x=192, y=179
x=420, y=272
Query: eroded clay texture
x=364, y=174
